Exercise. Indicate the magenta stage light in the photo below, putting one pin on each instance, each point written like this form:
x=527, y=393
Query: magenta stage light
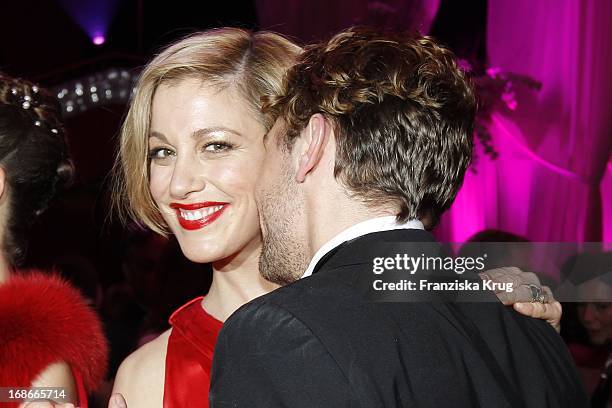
x=99, y=39
x=94, y=17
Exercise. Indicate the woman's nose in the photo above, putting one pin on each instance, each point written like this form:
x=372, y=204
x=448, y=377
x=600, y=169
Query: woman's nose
x=187, y=178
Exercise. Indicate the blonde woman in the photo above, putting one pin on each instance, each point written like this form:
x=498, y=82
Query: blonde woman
x=191, y=151
x=189, y=170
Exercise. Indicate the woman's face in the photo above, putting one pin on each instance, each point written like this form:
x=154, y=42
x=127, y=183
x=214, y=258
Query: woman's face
x=596, y=315
x=205, y=151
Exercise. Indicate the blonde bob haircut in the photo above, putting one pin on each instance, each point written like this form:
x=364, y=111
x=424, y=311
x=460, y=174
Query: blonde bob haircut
x=254, y=64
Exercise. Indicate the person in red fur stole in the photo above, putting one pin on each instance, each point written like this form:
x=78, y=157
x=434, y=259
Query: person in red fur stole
x=48, y=335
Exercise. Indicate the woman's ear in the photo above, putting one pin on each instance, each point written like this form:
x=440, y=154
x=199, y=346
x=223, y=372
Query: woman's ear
x=2, y=183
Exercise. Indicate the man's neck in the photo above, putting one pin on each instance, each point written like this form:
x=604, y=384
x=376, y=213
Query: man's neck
x=325, y=222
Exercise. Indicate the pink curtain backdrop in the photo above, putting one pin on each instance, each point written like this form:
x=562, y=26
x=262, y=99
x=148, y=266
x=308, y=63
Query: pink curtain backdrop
x=606, y=198
x=552, y=181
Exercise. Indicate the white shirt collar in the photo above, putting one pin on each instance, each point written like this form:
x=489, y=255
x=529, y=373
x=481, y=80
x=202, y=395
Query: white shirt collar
x=363, y=228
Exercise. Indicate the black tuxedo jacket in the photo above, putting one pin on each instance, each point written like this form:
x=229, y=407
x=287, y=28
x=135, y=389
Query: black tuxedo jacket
x=318, y=343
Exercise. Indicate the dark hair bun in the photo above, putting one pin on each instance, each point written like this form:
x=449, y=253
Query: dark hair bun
x=33, y=154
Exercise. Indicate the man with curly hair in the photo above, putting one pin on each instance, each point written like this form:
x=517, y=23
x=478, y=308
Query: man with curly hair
x=370, y=147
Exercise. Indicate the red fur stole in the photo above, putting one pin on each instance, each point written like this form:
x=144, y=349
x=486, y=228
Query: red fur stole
x=44, y=320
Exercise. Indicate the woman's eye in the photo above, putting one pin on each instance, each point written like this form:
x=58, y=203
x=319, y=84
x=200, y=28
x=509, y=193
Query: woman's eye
x=159, y=153
x=216, y=147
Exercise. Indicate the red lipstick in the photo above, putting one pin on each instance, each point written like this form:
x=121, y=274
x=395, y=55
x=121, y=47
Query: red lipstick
x=198, y=215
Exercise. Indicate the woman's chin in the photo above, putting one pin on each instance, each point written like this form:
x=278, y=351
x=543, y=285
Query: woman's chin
x=199, y=257
x=197, y=252
x=216, y=247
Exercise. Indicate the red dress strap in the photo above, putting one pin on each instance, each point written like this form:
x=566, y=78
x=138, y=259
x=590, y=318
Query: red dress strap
x=189, y=356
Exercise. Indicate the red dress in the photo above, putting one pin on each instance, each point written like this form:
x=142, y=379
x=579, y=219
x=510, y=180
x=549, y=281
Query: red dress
x=189, y=356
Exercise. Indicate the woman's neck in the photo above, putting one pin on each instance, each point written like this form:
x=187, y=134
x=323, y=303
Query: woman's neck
x=236, y=281
x=5, y=270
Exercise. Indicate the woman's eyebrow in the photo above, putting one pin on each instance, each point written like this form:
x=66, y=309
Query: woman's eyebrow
x=215, y=129
x=159, y=136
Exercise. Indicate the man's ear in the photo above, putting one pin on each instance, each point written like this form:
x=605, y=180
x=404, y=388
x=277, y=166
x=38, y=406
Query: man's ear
x=316, y=135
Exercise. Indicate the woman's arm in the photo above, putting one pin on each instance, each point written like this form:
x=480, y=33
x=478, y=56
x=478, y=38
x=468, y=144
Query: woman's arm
x=140, y=378
x=520, y=298
x=56, y=375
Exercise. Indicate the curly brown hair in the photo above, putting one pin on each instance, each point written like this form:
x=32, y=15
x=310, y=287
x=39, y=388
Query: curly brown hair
x=403, y=114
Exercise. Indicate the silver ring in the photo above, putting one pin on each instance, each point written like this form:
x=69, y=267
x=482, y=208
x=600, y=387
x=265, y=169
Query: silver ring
x=537, y=294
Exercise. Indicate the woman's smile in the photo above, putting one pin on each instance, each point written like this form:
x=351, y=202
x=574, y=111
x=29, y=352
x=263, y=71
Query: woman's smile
x=198, y=215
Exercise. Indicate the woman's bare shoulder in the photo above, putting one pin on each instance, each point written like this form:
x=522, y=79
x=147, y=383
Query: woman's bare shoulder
x=140, y=378
x=57, y=375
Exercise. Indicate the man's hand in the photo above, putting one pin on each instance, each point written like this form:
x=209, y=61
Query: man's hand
x=117, y=401
x=521, y=297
